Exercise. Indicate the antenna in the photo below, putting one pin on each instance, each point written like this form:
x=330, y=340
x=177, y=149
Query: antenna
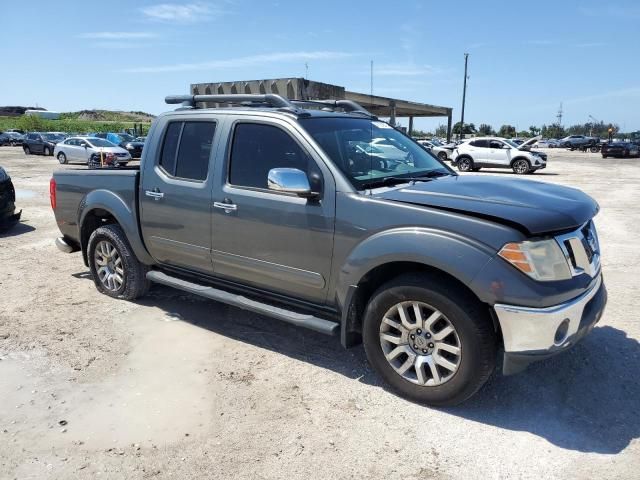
x=559, y=115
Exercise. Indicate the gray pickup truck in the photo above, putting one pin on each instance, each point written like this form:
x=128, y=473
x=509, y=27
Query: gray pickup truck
x=290, y=209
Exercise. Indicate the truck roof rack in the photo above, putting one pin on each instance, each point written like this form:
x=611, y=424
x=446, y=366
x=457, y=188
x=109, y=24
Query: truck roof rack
x=267, y=100
x=348, y=106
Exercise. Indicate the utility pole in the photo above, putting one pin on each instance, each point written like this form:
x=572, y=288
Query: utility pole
x=464, y=96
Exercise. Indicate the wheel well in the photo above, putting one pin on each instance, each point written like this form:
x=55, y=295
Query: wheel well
x=376, y=277
x=520, y=158
x=94, y=219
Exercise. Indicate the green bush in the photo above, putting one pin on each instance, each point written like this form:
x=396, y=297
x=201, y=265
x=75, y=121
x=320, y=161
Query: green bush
x=32, y=123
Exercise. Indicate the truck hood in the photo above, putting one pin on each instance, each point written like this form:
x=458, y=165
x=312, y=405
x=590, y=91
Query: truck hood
x=531, y=206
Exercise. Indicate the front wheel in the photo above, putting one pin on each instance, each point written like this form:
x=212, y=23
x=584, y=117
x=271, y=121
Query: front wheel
x=62, y=158
x=465, y=164
x=27, y=150
x=46, y=152
x=115, y=269
x=521, y=167
x=429, y=340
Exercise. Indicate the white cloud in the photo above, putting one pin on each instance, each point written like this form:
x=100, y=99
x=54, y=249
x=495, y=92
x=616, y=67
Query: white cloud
x=181, y=13
x=117, y=35
x=239, y=62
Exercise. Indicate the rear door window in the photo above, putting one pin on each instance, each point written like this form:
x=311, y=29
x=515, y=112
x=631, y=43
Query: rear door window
x=186, y=149
x=480, y=143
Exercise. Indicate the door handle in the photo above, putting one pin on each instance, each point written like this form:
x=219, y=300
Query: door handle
x=227, y=207
x=154, y=194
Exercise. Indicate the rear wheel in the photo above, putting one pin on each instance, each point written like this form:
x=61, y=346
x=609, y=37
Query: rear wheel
x=62, y=158
x=521, y=166
x=115, y=269
x=431, y=342
x=46, y=151
x=465, y=164
x=442, y=156
x=27, y=150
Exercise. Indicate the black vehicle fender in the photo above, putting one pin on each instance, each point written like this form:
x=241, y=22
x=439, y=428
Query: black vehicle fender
x=107, y=207
x=402, y=250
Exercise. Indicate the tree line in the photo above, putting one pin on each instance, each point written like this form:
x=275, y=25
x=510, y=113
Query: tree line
x=554, y=130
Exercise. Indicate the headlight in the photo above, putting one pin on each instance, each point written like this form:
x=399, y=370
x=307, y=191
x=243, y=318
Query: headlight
x=3, y=175
x=542, y=260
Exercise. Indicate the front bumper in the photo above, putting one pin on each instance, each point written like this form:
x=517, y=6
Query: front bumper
x=532, y=334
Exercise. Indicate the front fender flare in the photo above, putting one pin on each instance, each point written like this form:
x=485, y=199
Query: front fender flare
x=124, y=215
x=454, y=254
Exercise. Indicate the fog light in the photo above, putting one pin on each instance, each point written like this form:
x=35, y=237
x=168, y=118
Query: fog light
x=561, y=332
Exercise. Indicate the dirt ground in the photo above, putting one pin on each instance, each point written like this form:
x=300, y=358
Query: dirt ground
x=174, y=386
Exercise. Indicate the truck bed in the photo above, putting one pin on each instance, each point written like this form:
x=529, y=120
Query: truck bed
x=73, y=186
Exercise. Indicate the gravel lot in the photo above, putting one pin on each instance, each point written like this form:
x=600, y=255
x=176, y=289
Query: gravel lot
x=174, y=386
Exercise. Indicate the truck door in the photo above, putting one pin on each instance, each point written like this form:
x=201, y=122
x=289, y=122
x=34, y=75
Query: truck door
x=268, y=239
x=175, y=193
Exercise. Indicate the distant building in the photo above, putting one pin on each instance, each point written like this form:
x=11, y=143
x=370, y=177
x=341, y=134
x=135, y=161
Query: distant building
x=46, y=114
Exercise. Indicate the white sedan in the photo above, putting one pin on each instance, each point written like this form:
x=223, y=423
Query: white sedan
x=80, y=149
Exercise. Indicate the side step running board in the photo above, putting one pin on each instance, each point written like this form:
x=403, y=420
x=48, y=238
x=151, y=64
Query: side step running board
x=300, y=319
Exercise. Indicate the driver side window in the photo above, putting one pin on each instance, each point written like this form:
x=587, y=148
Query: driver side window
x=257, y=148
x=495, y=144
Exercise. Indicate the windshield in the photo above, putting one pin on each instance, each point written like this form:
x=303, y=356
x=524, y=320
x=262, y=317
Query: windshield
x=99, y=142
x=510, y=143
x=371, y=153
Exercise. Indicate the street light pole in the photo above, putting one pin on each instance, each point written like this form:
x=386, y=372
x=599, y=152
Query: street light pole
x=464, y=96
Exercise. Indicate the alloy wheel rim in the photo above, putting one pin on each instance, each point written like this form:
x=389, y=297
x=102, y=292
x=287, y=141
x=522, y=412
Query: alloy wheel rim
x=465, y=164
x=109, y=267
x=420, y=343
x=520, y=166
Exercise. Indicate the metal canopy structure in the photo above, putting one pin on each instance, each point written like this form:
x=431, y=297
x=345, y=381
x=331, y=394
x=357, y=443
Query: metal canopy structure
x=303, y=89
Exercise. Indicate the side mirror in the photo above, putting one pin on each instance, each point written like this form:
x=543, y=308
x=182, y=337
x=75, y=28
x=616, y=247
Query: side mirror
x=290, y=180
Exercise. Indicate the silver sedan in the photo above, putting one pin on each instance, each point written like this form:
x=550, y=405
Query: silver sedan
x=80, y=149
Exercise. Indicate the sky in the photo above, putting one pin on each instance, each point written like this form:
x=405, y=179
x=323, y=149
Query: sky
x=525, y=58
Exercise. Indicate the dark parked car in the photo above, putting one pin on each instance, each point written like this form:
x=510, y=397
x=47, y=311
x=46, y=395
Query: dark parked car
x=124, y=140
x=44, y=143
x=573, y=142
x=8, y=215
x=288, y=212
x=620, y=149
x=11, y=138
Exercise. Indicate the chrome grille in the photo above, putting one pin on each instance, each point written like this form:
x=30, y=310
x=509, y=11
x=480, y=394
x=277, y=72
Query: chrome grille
x=582, y=250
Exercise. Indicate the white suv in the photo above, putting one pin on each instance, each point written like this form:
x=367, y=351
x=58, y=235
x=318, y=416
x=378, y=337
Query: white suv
x=496, y=152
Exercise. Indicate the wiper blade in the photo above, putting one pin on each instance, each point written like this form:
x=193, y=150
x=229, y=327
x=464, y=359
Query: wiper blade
x=436, y=173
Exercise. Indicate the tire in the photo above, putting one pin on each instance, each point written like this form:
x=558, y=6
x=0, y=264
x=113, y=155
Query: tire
x=132, y=273
x=442, y=156
x=625, y=154
x=476, y=169
x=473, y=334
x=46, y=151
x=62, y=158
x=593, y=149
x=464, y=164
x=521, y=166
x=604, y=156
x=27, y=150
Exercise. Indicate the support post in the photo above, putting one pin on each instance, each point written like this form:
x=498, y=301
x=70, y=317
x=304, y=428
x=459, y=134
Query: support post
x=464, y=96
x=449, y=120
x=392, y=120
x=410, y=126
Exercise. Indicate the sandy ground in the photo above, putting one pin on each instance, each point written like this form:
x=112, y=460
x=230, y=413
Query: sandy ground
x=174, y=386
